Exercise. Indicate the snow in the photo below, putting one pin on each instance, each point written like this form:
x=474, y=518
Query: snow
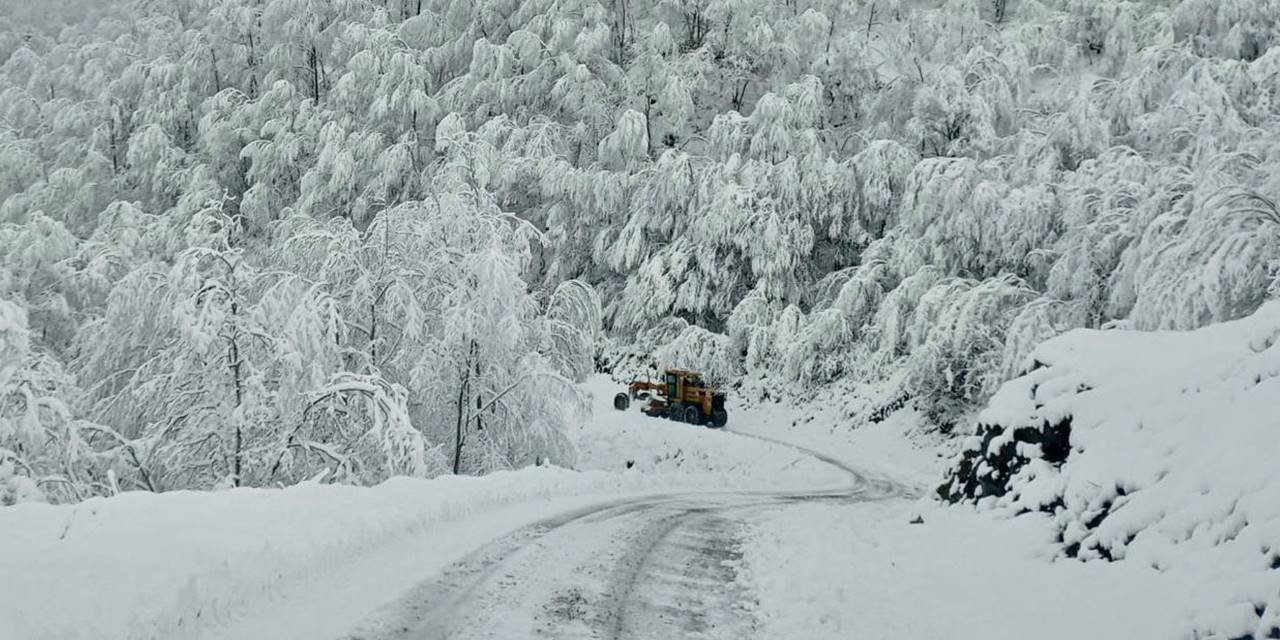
x=899, y=448
x=156, y=565
x=352, y=241
x=1172, y=462
x=304, y=561
x=257, y=562
x=719, y=457
x=864, y=571
x=1171, y=475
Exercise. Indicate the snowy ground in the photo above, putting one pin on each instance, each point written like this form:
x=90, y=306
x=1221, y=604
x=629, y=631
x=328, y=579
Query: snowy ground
x=710, y=458
x=309, y=561
x=912, y=568
x=1170, y=473
x=895, y=449
x=708, y=534
x=864, y=571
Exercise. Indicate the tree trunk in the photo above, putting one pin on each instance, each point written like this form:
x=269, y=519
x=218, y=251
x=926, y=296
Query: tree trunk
x=459, y=436
x=252, y=63
x=234, y=353
x=475, y=361
x=217, y=79
x=373, y=333
x=648, y=126
x=739, y=94
x=313, y=59
x=622, y=32
x=462, y=407
x=114, y=143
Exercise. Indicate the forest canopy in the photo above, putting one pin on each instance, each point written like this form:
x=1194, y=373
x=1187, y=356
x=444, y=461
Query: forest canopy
x=253, y=242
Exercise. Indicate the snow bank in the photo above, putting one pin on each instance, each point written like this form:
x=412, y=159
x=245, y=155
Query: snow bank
x=825, y=572
x=143, y=565
x=1169, y=459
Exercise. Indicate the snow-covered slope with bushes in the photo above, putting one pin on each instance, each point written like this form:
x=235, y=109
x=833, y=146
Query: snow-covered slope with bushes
x=1151, y=449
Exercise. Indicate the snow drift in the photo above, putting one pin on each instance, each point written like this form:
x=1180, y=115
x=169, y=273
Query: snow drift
x=1157, y=448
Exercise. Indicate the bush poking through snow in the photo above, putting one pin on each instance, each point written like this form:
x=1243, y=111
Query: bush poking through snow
x=994, y=454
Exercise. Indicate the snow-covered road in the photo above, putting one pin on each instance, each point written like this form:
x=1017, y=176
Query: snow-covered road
x=653, y=567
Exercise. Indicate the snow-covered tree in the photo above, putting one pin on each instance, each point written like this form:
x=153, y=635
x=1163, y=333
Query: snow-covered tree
x=428, y=212
x=45, y=452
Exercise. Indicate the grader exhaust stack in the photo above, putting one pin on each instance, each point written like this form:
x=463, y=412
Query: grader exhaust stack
x=680, y=395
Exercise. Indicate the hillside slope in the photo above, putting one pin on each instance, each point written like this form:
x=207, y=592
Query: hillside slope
x=1154, y=450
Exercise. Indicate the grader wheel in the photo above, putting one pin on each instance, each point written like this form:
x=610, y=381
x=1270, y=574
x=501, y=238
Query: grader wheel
x=693, y=415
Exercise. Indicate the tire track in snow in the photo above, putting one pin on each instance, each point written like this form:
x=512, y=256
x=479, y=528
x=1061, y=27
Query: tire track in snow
x=669, y=561
x=880, y=488
x=425, y=611
x=631, y=571
x=682, y=583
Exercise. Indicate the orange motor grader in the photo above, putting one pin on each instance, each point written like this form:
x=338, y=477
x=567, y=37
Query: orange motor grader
x=679, y=395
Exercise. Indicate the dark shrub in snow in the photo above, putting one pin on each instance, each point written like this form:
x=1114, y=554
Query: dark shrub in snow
x=996, y=453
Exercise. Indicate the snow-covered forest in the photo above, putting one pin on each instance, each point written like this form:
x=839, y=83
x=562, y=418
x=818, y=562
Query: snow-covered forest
x=246, y=242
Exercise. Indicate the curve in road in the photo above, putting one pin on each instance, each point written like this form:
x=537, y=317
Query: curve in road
x=659, y=567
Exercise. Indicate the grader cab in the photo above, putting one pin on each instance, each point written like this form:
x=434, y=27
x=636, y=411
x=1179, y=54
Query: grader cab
x=678, y=395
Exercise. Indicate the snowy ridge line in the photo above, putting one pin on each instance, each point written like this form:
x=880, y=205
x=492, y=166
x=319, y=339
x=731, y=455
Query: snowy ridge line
x=225, y=552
